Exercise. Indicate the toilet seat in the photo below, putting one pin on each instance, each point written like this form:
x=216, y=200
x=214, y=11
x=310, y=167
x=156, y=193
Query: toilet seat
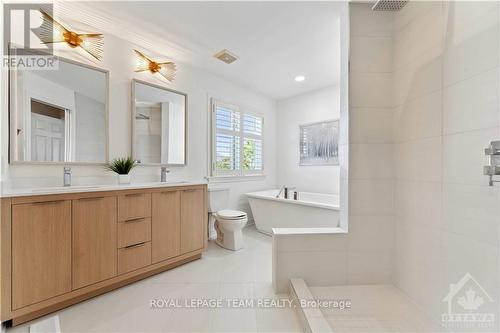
x=228, y=214
x=232, y=223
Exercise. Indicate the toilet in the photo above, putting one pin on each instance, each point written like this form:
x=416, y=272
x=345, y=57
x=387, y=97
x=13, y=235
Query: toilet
x=225, y=225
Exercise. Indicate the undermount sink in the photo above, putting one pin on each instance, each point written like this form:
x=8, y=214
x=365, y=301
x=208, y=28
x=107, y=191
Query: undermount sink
x=64, y=188
x=170, y=182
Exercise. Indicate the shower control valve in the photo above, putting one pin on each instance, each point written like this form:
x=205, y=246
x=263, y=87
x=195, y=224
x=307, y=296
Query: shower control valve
x=493, y=149
x=493, y=169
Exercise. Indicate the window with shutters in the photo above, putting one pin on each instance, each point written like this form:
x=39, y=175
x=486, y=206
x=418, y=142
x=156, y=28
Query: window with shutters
x=237, y=141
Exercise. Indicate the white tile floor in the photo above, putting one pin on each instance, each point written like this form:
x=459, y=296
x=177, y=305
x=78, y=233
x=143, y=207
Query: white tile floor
x=220, y=274
x=375, y=309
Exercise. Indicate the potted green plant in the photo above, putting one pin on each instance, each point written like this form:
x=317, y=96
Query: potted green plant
x=122, y=167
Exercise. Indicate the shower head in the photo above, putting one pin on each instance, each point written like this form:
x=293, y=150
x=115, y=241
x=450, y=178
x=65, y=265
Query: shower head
x=389, y=5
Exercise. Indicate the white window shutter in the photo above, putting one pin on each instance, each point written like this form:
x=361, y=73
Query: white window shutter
x=237, y=141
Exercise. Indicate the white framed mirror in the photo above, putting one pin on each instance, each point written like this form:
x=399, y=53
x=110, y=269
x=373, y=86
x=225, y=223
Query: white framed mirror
x=158, y=124
x=58, y=116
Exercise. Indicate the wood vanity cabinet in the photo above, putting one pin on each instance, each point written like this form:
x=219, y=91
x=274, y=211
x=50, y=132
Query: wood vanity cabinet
x=166, y=225
x=94, y=240
x=60, y=249
x=41, y=251
x=191, y=214
x=134, y=215
x=177, y=223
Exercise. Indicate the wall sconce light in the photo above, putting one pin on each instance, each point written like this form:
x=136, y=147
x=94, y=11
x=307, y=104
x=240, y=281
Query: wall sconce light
x=52, y=31
x=166, y=69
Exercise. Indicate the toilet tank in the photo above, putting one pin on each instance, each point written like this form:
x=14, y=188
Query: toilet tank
x=218, y=199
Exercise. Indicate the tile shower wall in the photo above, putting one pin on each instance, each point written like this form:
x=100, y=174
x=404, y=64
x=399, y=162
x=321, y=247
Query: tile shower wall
x=371, y=185
x=446, y=99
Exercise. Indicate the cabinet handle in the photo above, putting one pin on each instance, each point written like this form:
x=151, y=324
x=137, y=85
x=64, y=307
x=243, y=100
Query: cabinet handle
x=134, y=220
x=167, y=192
x=191, y=190
x=91, y=198
x=134, y=245
x=134, y=194
x=40, y=203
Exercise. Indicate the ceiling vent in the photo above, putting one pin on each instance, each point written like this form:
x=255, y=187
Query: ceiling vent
x=226, y=56
x=389, y=5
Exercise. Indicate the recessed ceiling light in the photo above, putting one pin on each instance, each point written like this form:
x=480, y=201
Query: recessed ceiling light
x=300, y=78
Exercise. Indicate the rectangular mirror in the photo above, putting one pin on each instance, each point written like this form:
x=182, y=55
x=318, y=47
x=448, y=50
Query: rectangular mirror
x=59, y=115
x=159, y=124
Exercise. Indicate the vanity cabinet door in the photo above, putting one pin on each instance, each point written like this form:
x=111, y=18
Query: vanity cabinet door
x=193, y=219
x=166, y=225
x=94, y=240
x=41, y=251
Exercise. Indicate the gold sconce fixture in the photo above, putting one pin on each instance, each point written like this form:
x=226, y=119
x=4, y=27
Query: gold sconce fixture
x=166, y=69
x=52, y=31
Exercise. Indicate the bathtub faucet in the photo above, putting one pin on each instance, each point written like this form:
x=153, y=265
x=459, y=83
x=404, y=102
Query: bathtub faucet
x=287, y=191
x=280, y=191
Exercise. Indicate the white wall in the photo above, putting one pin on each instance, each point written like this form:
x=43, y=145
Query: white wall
x=90, y=129
x=311, y=107
x=119, y=59
x=446, y=82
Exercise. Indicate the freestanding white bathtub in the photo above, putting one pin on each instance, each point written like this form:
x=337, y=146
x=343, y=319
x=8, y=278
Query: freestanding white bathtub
x=311, y=210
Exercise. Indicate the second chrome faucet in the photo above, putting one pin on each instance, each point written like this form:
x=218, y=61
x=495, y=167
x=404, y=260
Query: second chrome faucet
x=164, y=172
x=67, y=176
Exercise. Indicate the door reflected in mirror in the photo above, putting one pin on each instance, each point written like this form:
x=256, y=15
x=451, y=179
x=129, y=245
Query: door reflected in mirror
x=159, y=130
x=60, y=115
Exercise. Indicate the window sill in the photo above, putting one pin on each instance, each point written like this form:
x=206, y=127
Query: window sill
x=234, y=179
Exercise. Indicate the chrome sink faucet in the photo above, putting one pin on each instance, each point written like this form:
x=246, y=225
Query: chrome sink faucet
x=164, y=172
x=67, y=176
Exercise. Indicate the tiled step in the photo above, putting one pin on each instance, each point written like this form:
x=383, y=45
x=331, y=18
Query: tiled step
x=365, y=308
x=310, y=316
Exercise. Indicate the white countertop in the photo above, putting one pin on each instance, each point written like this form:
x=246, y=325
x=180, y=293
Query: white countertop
x=22, y=192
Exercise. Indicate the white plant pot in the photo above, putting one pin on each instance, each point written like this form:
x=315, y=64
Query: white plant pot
x=124, y=179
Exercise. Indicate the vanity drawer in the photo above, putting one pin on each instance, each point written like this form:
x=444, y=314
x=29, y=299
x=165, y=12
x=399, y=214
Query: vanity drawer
x=134, y=257
x=134, y=231
x=134, y=206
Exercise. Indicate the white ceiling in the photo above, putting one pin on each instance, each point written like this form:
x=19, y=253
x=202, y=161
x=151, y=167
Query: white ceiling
x=275, y=41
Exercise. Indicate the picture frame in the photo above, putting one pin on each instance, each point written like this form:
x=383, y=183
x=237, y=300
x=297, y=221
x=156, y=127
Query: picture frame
x=319, y=143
